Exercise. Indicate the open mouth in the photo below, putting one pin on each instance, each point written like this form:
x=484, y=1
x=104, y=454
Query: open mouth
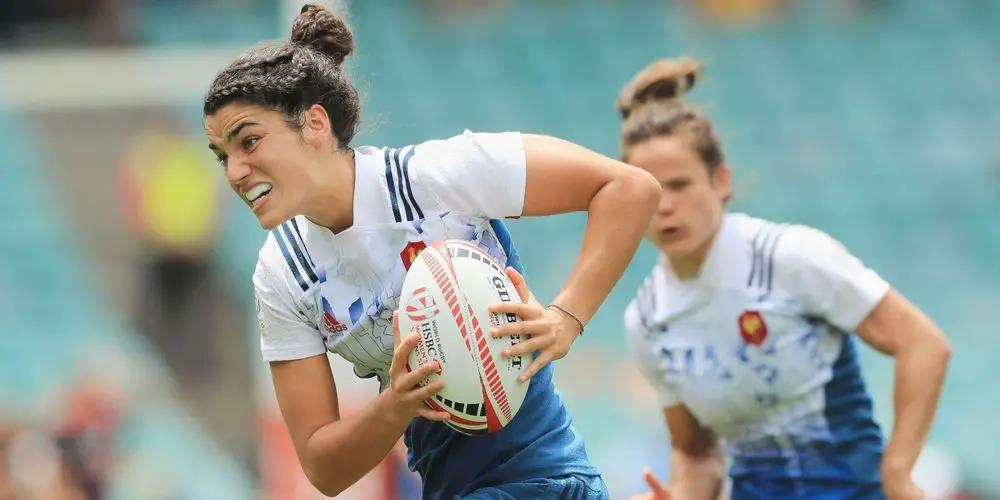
x=257, y=194
x=670, y=233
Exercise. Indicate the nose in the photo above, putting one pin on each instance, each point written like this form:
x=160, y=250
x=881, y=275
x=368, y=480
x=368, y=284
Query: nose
x=236, y=170
x=666, y=205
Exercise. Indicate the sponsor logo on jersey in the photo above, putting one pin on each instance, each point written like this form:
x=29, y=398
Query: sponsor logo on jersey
x=330, y=321
x=410, y=253
x=752, y=327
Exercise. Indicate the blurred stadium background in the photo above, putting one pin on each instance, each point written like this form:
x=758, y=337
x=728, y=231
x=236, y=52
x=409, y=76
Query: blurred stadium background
x=128, y=360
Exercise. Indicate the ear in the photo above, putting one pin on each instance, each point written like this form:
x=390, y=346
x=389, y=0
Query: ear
x=316, y=130
x=722, y=181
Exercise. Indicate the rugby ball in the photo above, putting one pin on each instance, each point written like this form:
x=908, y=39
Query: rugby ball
x=445, y=297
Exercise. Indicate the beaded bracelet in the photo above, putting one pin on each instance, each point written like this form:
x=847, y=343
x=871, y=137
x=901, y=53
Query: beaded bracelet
x=567, y=313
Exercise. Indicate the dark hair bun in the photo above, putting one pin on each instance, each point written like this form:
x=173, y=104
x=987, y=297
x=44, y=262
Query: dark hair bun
x=663, y=80
x=323, y=31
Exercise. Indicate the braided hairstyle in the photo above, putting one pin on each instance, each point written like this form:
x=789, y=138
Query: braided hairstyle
x=293, y=76
x=651, y=106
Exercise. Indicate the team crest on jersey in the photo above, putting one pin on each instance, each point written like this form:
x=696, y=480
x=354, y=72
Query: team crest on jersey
x=330, y=321
x=752, y=328
x=422, y=305
x=410, y=253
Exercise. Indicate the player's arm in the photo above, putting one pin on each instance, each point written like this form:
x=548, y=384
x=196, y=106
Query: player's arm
x=697, y=462
x=334, y=452
x=847, y=294
x=513, y=174
x=619, y=200
x=898, y=328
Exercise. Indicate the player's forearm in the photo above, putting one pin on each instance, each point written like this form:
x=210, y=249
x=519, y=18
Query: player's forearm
x=342, y=452
x=920, y=372
x=697, y=477
x=617, y=218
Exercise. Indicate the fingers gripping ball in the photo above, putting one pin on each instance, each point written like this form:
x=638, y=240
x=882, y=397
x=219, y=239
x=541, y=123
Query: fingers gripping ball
x=446, y=297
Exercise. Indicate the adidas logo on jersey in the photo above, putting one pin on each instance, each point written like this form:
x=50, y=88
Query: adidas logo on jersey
x=330, y=321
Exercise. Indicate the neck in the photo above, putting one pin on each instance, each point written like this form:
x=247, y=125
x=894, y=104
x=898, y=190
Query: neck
x=332, y=204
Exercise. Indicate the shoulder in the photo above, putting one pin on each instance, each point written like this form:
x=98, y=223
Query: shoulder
x=641, y=310
x=441, y=152
x=284, y=263
x=475, y=173
x=760, y=236
x=459, y=147
x=784, y=247
x=804, y=248
x=810, y=263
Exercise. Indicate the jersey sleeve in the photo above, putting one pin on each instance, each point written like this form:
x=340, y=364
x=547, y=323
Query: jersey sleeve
x=645, y=356
x=829, y=281
x=285, y=332
x=479, y=174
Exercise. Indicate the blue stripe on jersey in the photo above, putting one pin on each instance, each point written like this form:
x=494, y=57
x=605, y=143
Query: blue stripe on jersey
x=391, y=184
x=406, y=177
x=297, y=248
x=762, y=263
x=778, y=233
x=355, y=310
x=507, y=243
x=857, y=439
x=835, y=453
x=295, y=225
x=399, y=175
x=288, y=260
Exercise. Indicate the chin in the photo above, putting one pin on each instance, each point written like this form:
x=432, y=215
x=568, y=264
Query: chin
x=268, y=221
x=679, y=247
x=676, y=247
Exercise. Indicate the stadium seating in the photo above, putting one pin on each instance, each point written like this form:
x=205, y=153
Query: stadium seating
x=53, y=323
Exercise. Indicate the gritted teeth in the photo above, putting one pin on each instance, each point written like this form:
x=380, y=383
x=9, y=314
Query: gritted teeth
x=256, y=192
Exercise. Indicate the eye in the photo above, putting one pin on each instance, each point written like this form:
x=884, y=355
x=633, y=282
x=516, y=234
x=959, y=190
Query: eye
x=677, y=184
x=249, y=142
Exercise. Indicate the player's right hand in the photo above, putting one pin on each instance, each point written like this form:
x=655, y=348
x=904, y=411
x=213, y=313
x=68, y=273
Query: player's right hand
x=405, y=392
x=657, y=490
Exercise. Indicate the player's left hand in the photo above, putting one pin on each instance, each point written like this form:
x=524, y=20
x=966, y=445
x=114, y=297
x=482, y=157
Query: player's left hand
x=546, y=331
x=901, y=487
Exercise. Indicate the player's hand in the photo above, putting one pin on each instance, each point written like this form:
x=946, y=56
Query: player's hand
x=405, y=393
x=548, y=332
x=901, y=488
x=657, y=490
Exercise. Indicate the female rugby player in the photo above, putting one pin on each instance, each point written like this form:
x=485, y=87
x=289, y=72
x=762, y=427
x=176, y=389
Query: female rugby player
x=345, y=222
x=746, y=329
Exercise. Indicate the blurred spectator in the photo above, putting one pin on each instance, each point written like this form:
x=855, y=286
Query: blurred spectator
x=87, y=438
x=173, y=200
x=738, y=11
x=64, y=23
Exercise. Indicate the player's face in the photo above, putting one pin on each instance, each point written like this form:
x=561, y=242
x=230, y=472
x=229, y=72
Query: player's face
x=693, y=200
x=265, y=160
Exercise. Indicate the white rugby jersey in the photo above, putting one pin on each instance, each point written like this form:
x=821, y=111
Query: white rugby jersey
x=318, y=291
x=757, y=348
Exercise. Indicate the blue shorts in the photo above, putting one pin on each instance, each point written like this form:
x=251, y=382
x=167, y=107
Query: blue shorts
x=744, y=489
x=572, y=487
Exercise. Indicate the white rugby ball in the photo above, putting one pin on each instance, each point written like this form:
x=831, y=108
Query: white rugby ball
x=446, y=295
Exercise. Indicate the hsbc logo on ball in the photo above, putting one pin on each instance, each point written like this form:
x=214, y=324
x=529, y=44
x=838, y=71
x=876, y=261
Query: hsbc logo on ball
x=422, y=305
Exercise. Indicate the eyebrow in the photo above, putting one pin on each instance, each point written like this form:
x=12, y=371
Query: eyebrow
x=233, y=133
